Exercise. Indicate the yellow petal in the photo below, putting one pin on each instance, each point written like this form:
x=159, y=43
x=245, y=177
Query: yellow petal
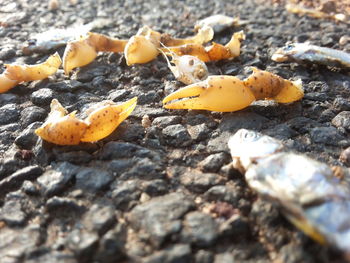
x=34, y=72
x=292, y=91
x=140, y=50
x=6, y=83
x=66, y=130
x=105, y=119
x=77, y=54
x=220, y=93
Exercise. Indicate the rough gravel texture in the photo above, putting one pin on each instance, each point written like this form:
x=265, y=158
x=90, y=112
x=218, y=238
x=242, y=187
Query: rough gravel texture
x=162, y=192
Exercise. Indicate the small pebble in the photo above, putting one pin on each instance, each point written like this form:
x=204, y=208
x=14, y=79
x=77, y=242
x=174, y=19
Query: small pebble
x=16, y=179
x=161, y=216
x=6, y=98
x=82, y=243
x=118, y=95
x=55, y=180
x=42, y=97
x=111, y=247
x=27, y=138
x=224, y=193
x=100, y=218
x=200, y=229
x=341, y=104
x=200, y=182
x=146, y=122
x=214, y=162
x=53, y=5
x=165, y=121
x=204, y=256
x=55, y=203
x=326, y=135
x=32, y=114
x=93, y=179
x=126, y=195
x=29, y=188
x=173, y=253
x=12, y=213
x=7, y=53
x=345, y=157
x=342, y=120
x=9, y=113
x=199, y=132
x=224, y=258
x=343, y=40
x=177, y=135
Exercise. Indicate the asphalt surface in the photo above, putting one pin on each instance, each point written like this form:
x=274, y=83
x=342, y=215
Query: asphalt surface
x=160, y=188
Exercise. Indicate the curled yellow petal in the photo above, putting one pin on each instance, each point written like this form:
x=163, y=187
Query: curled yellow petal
x=104, y=43
x=228, y=93
x=217, y=93
x=291, y=91
x=106, y=118
x=15, y=74
x=218, y=52
x=196, y=50
x=204, y=35
x=77, y=54
x=213, y=52
x=6, y=83
x=234, y=45
x=266, y=85
x=188, y=91
x=34, y=72
x=83, y=51
x=103, y=118
x=140, y=50
x=229, y=51
x=60, y=128
x=150, y=34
